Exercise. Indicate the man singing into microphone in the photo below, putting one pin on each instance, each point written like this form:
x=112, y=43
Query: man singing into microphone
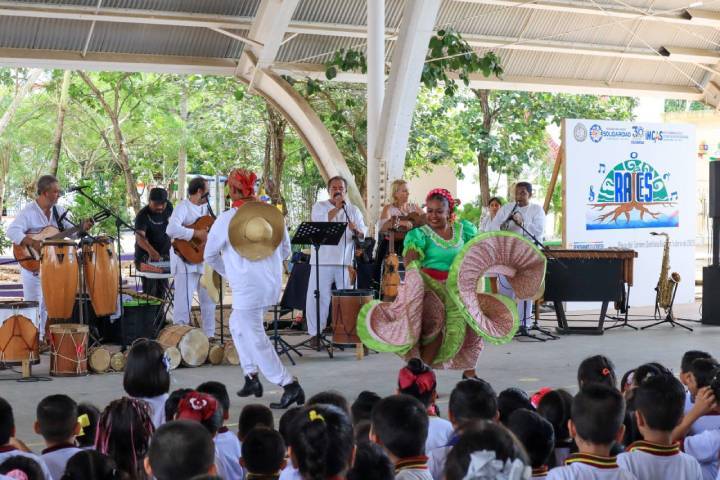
x=334, y=260
x=513, y=216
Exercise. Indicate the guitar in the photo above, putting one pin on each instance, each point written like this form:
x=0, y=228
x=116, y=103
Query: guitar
x=193, y=250
x=391, y=269
x=29, y=258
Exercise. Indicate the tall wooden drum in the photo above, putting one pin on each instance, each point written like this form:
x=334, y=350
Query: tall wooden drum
x=346, y=305
x=194, y=346
x=59, y=277
x=100, y=265
x=18, y=333
x=68, y=350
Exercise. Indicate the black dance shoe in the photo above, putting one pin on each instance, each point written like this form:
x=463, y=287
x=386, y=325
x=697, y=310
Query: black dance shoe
x=293, y=392
x=252, y=387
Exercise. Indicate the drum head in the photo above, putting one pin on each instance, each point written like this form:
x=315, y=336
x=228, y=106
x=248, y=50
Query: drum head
x=353, y=293
x=62, y=242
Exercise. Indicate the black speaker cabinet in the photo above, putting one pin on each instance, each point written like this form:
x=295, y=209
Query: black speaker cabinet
x=714, y=203
x=710, y=298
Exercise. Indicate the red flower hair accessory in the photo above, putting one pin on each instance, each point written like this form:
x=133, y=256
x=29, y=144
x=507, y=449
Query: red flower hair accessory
x=425, y=381
x=445, y=193
x=605, y=372
x=538, y=396
x=197, y=406
x=243, y=181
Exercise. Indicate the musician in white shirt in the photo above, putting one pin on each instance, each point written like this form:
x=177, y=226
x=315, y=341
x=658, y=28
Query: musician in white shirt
x=513, y=217
x=37, y=215
x=334, y=259
x=187, y=275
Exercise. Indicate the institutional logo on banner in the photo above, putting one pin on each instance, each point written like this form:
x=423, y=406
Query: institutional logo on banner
x=631, y=194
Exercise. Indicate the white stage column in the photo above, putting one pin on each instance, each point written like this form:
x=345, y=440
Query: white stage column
x=375, y=96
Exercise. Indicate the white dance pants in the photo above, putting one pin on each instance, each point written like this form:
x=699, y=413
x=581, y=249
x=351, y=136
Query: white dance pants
x=186, y=284
x=254, y=348
x=524, y=305
x=328, y=275
x=32, y=292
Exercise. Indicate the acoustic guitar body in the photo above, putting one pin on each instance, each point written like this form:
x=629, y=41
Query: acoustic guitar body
x=193, y=251
x=28, y=257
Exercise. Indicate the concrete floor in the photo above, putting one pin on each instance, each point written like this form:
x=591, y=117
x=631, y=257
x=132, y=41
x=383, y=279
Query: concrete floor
x=529, y=365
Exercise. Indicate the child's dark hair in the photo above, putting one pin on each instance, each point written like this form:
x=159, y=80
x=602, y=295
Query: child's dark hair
x=400, y=423
x=661, y=401
x=555, y=407
x=598, y=412
x=181, y=449
x=57, y=417
x=473, y=399
x=321, y=439
x=87, y=439
x=535, y=433
x=285, y=423
x=145, y=372
x=512, y=399
x=172, y=402
x=7, y=422
x=371, y=462
x=124, y=432
x=690, y=356
x=482, y=435
x=254, y=415
x=363, y=405
x=597, y=369
x=703, y=370
x=91, y=465
x=263, y=451
x=647, y=369
x=417, y=380
x=330, y=397
x=27, y=465
x=362, y=431
x=219, y=391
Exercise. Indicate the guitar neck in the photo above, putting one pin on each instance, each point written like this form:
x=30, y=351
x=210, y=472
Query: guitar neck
x=68, y=232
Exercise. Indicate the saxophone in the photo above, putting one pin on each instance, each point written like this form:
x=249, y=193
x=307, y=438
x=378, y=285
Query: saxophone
x=666, y=283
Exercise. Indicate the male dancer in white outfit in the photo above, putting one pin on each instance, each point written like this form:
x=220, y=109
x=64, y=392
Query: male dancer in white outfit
x=187, y=275
x=334, y=259
x=255, y=285
x=37, y=215
x=511, y=217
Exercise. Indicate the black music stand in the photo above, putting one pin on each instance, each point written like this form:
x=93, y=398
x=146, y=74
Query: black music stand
x=318, y=234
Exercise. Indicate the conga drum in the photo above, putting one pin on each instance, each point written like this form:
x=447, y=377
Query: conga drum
x=59, y=277
x=18, y=333
x=68, y=349
x=346, y=305
x=100, y=265
x=194, y=346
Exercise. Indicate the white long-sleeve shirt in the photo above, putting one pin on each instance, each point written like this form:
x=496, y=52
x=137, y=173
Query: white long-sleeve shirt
x=533, y=219
x=185, y=213
x=31, y=219
x=342, y=253
x=254, y=283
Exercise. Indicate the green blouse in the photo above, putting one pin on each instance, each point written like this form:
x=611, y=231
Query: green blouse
x=434, y=251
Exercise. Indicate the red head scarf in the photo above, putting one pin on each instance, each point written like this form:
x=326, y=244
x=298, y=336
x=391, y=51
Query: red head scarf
x=242, y=181
x=197, y=406
x=452, y=202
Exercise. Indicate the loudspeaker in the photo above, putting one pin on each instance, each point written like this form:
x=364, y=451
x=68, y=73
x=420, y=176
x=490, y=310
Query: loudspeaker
x=714, y=203
x=139, y=321
x=710, y=298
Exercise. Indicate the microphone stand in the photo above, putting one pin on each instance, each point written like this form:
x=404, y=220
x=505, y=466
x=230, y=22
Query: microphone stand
x=525, y=331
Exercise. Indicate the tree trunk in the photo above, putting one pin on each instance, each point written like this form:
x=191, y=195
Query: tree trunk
x=20, y=95
x=483, y=96
x=62, y=108
x=182, y=154
x=123, y=159
x=5, y=154
x=275, y=156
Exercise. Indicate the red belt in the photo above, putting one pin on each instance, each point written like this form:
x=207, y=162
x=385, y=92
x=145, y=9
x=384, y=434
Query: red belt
x=439, y=275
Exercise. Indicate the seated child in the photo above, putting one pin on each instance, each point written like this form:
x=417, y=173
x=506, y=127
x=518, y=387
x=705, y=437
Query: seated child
x=695, y=379
x=91, y=465
x=363, y=405
x=555, y=406
x=86, y=438
x=7, y=443
x=147, y=377
x=263, y=454
x=21, y=468
x=290, y=472
x=252, y=416
x=171, y=404
x=180, y=450
x=57, y=422
x=512, y=399
x=596, y=369
x=704, y=446
x=371, y=462
x=537, y=436
x=330, y=397
x=226, y=442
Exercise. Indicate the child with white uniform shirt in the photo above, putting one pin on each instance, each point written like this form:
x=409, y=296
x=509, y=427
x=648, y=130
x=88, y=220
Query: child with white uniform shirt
x=596, y=423
x=707, y=422
x=537, y=436
x=227, y=444
x=658, y=409
x=57, y=422
x=8, y=446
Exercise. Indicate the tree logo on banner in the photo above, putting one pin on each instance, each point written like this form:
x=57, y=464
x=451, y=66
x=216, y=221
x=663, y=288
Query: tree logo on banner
x=633, y=194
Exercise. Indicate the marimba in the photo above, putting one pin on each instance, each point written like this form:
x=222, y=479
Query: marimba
x=588, y=276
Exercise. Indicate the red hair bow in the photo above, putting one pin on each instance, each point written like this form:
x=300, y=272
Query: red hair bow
x=535, y=399
x=197, y=406
x=443, y=192
x=243, y=181
x=424, y=381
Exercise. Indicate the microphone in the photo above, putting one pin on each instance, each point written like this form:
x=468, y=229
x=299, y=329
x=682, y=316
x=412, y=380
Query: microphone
x=504, y=225
x=205, y=195
x=76, y=188
x=62, y=217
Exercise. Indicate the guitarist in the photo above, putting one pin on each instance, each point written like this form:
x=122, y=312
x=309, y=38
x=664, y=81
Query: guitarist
x=43, y=212
x=187, y=275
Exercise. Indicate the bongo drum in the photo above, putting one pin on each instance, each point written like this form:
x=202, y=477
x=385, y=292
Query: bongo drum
x=18, y=333
x=68, y=350
x=346, y=305
x=99, y=359
x=230, y=355
x=216, y=354
x=118, y=361
x=59, y=277
x=100, y=265
x=194, y=346
x=174, y=357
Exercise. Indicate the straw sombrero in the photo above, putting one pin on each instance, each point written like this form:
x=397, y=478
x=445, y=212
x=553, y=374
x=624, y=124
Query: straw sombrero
x=256, y=230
